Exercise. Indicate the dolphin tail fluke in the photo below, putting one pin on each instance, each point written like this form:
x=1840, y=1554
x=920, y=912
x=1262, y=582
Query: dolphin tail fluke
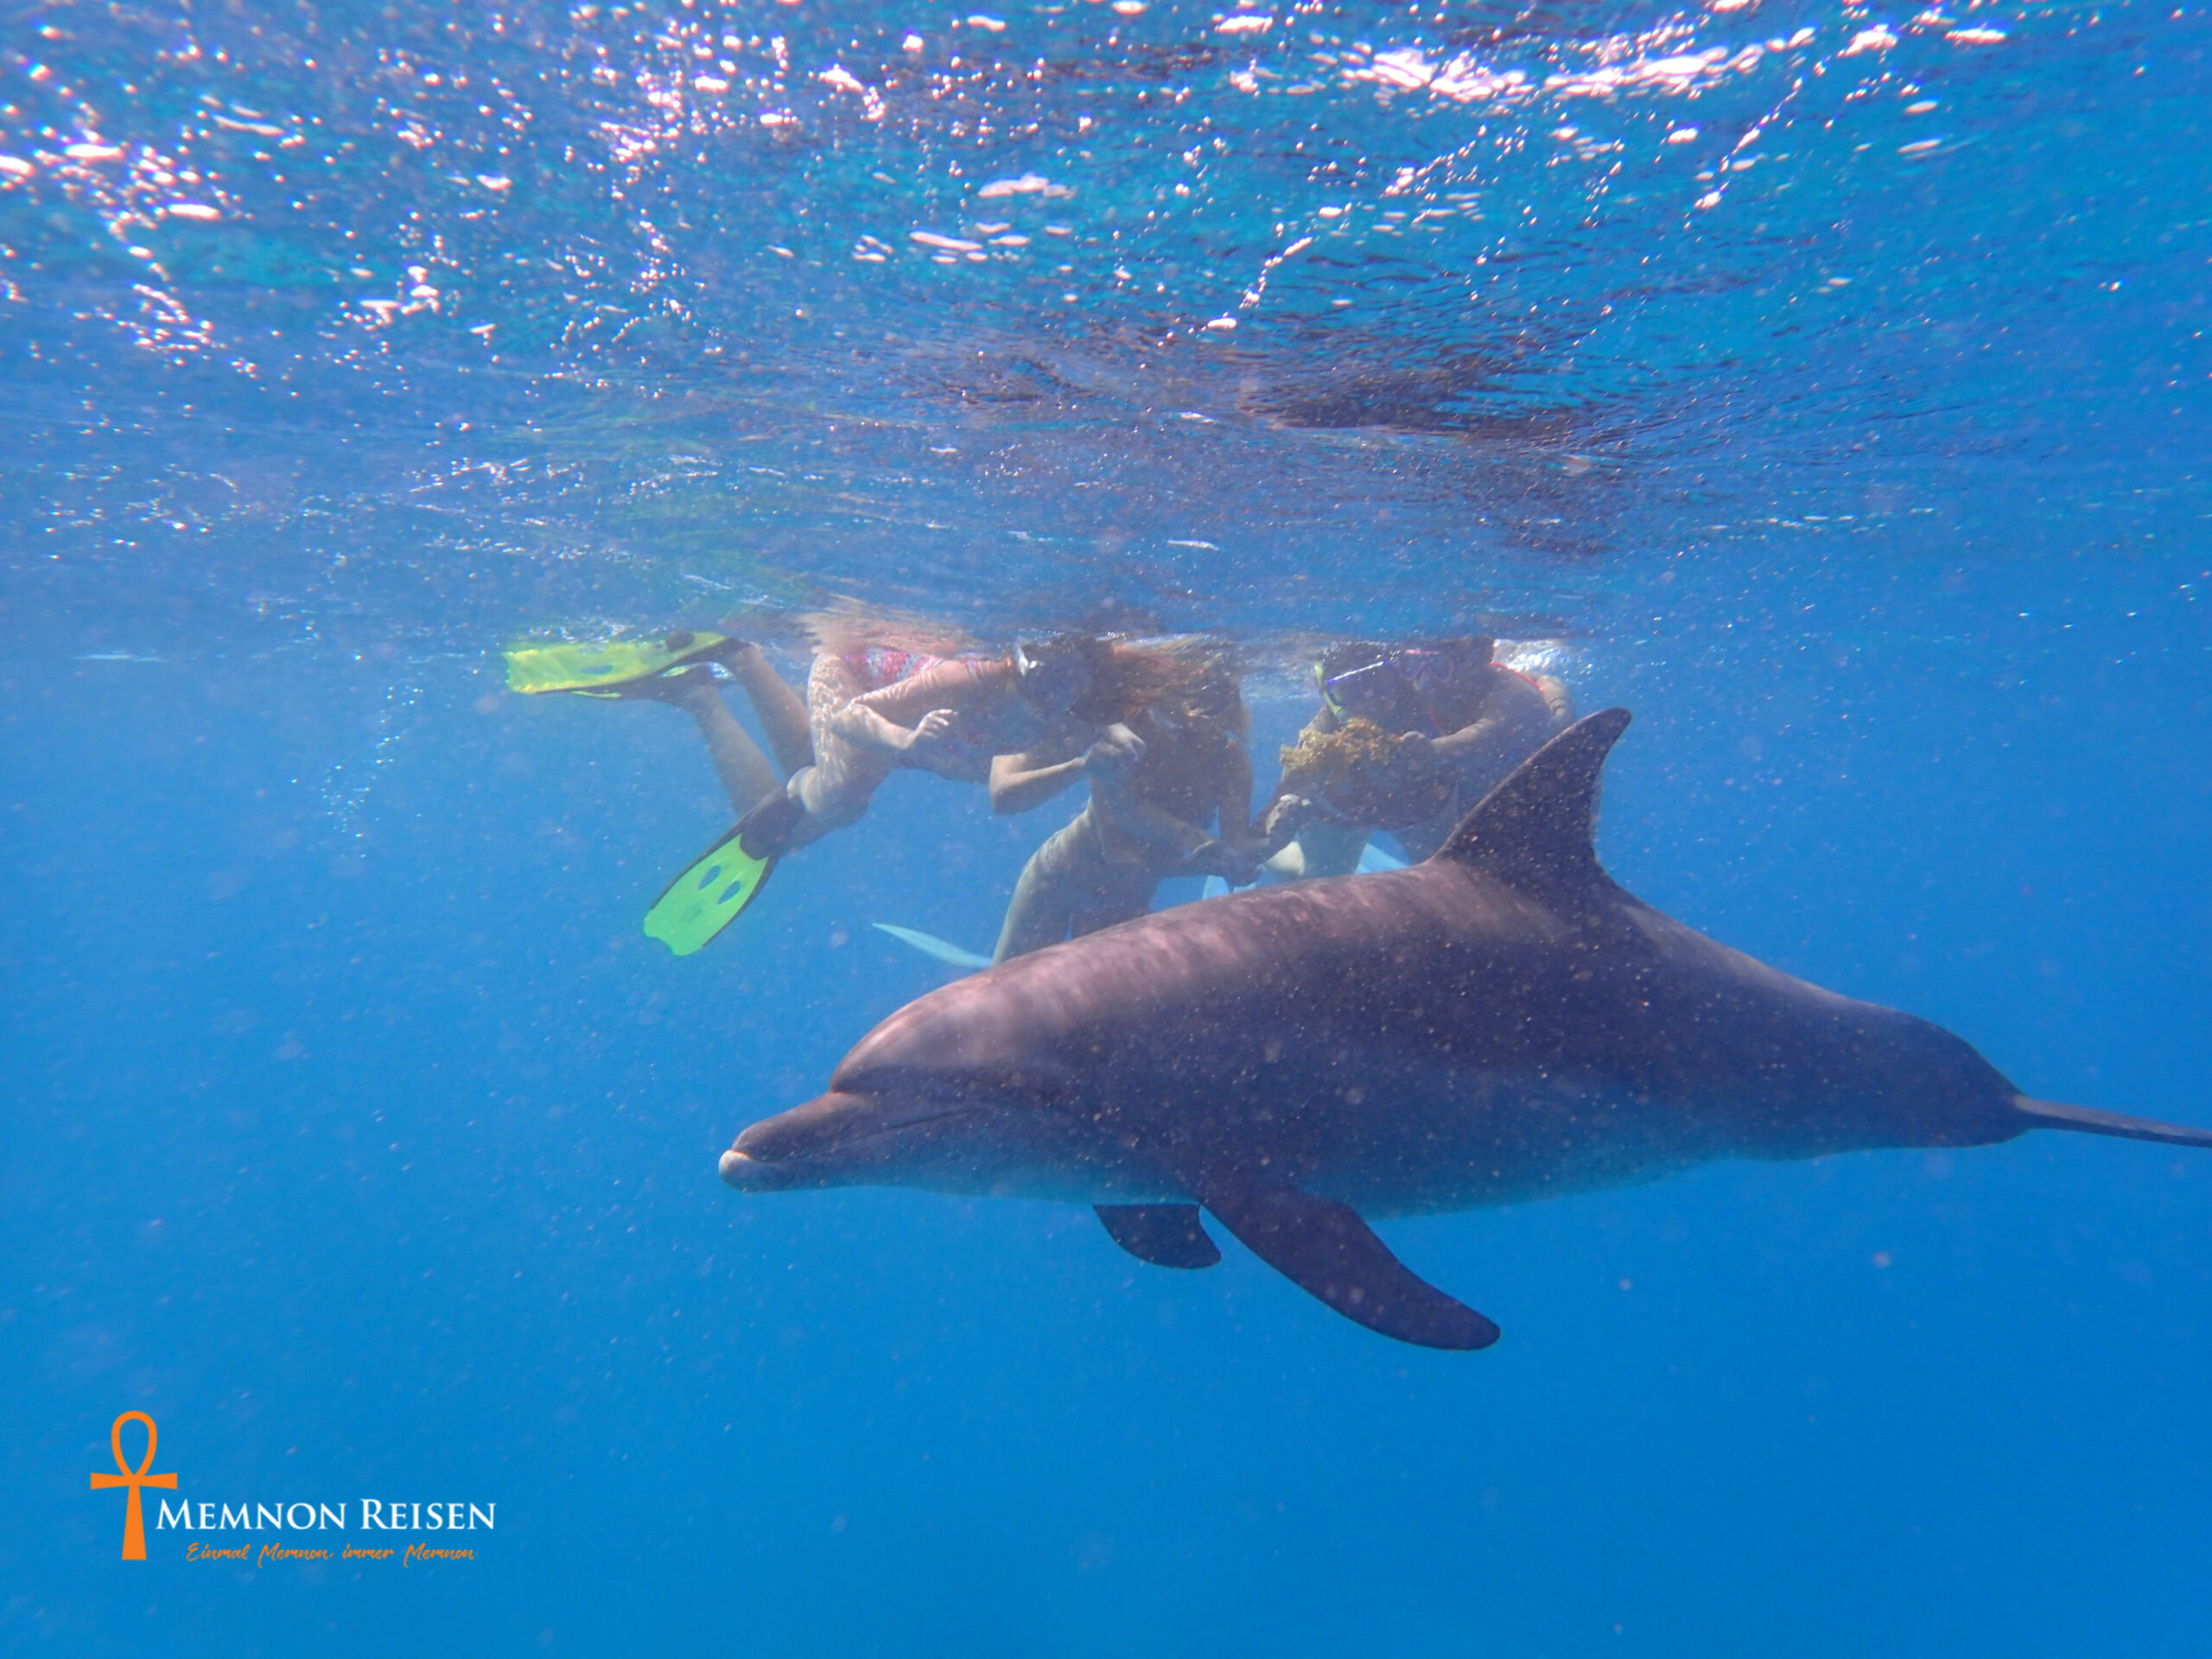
x=1327, y=1250
x=2087, y=1120
x=1165, y=1234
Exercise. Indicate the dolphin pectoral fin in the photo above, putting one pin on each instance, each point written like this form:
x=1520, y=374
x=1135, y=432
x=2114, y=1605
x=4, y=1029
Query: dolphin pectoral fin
x=2087, y=1120
x=930, y=945
x=1165, y=1234
x=1327, y=1250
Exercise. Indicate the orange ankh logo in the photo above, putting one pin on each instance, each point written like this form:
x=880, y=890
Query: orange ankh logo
x=134, y=1520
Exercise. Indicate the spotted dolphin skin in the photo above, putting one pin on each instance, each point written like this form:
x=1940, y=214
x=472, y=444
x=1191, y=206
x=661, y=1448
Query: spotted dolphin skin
x=1498, y=1023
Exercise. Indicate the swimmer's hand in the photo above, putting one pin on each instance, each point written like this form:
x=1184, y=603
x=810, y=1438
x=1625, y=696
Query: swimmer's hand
x=930, y=729
x=1214, y=857
x=1284, y=819
x=1419, y=747
x=1116, y=755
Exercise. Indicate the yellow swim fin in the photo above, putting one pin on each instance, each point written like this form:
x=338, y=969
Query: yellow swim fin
x=591, y=669
x=707, y=897
x=724, y=879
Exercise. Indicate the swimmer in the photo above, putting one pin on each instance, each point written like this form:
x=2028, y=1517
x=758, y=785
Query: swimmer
x=1170, y=764
x=1461, y=721
x=872, y=711
x=747, y=775
x=868, y=713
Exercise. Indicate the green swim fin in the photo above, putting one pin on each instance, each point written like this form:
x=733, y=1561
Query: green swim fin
x=707, y=897
x=726, y=878
x=590, y=669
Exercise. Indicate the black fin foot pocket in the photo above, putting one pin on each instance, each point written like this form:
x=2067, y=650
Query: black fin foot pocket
x=1165, y=1234
x=1327, y=1250
x=766, y=829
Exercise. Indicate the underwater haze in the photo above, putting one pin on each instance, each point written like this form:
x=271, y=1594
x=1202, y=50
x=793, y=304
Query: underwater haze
x=1824, y=383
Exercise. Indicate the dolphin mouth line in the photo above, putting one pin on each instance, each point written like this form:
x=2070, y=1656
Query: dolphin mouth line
x=737, y=1157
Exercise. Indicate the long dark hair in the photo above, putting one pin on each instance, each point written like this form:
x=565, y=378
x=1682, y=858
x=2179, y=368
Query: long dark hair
x=1187, y=678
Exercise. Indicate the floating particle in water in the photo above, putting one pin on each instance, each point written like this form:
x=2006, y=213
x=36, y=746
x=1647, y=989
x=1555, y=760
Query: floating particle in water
x=1029, y=184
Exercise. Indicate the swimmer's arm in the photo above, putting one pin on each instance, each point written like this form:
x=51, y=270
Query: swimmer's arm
x=1142, y=819
x=1114, y=793
x=1202, y=852
x=1515, y=707
x=1071, y=750
x=1475, y=736
x=886, y=719
x=1021, y=781
x=1236, y=805
x=858, y=723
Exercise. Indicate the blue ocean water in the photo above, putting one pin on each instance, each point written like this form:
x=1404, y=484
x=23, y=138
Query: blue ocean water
x=1823, y=382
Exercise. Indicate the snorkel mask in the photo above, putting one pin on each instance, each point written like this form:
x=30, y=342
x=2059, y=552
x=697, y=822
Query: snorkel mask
x=1365, y=680
x=1055, y=671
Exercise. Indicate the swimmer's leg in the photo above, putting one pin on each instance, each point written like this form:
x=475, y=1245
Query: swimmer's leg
x=782, y=717
x=830, y=794
x=836, y=789
x=1037, y=917
x=1046, y=897
x=1130, y=896
x=747, y=777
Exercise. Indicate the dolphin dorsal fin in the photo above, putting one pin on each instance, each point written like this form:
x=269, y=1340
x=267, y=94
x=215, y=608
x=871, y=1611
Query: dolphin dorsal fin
x=1533, y=832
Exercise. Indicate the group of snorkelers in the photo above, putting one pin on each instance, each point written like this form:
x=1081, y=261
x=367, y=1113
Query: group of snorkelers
x=1407, y=737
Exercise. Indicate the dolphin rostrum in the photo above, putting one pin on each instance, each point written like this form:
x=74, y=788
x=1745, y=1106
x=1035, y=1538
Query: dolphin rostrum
x=1499, y=1023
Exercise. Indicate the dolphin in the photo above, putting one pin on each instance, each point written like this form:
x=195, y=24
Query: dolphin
x=930, y=945
x=1372, y=860
x=1498, y=1023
